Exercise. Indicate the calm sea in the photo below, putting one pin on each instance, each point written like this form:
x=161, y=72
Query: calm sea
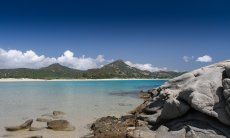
x=82, y=101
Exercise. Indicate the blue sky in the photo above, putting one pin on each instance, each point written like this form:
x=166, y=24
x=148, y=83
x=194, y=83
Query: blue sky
x=161, y=33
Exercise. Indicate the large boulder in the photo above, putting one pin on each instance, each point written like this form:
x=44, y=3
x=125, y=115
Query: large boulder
x=200, y=89
x=173, y=108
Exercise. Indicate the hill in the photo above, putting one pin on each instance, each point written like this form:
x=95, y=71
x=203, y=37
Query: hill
x=117, y=69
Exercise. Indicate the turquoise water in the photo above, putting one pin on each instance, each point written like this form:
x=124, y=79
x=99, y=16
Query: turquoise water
x=79, y=86
x=82, y=101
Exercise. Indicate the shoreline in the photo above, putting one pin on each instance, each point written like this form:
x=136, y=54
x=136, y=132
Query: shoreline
x=41, y=80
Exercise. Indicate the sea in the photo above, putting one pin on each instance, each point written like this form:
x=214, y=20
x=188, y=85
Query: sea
x=82, y=102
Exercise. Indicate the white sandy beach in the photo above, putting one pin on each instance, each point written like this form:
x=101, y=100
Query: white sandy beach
x=28, y=79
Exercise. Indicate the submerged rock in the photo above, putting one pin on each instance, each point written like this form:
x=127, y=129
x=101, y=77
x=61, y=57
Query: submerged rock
x=57, y=113
x=25, y=125
x=60, y=125
x=43, y=120
x=35, y=137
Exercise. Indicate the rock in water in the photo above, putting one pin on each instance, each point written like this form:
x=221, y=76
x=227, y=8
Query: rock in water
x=60, y=125
x=35, y=137
x=57, y=113
x=25, y=125
x=43, y=120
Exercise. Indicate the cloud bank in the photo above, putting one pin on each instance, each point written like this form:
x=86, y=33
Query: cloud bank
x=29, y=59
x=205, y=58
x=147, y=67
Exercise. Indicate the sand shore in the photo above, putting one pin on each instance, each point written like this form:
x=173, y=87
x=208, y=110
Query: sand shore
x=28, y=79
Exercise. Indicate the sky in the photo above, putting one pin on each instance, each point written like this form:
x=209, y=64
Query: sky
x=152, y=35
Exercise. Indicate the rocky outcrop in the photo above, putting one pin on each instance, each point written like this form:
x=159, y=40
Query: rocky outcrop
x=195, y=104
x=112, y=127
x=146, y=95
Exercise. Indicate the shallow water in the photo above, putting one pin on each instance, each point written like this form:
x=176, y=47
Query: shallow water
x=82, y=101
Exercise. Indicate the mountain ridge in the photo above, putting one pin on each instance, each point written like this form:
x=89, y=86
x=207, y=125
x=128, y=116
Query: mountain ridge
x=116, y=69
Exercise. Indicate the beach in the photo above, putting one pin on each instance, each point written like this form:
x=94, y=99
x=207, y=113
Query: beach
x=82, y=102
x=29, y=79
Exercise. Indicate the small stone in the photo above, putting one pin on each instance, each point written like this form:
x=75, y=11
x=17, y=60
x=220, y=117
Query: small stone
x=35, y=137
x=25, y=125
x=60, y=125
x=56, y=113
x=52, y=116
x=145, y=95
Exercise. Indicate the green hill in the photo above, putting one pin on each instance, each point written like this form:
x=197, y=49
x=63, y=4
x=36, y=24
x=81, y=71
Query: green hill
x=117, y=69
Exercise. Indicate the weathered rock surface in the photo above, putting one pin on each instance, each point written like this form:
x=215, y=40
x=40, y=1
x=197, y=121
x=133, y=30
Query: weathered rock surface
x=195, y=104
x=60, y=125
x=25, y=125
x=146, y=95
x=112, y=127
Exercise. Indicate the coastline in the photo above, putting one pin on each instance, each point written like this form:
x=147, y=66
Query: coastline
x=37, y=80
x=81, y=109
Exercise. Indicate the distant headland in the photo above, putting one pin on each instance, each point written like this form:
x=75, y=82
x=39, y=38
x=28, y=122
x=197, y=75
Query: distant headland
x=115, y=70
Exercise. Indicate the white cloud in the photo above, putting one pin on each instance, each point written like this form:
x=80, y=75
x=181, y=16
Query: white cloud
x=187, y=58
x=205, y=58
x=147, y=67
x=29, y=59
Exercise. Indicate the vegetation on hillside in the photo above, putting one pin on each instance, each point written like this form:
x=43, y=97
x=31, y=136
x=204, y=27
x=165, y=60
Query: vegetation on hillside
x=117, y=69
